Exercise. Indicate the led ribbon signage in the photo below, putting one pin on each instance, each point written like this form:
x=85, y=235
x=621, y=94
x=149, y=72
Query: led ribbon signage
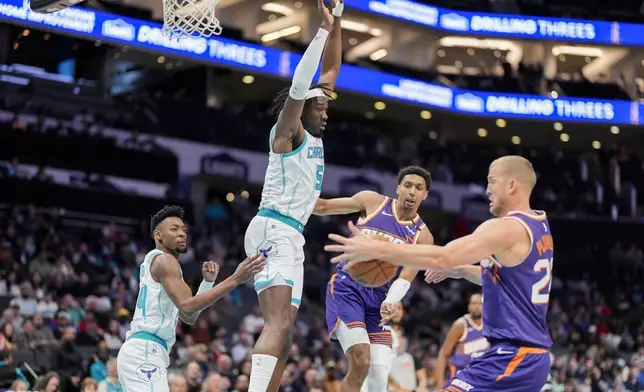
x=147, y=35
x=506, y=25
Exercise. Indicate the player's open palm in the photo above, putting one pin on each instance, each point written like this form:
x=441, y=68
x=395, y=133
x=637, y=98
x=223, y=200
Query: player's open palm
x=249, y=267
x=439, y=276
x=210, y=270
x=434, y=276
x=325, y=14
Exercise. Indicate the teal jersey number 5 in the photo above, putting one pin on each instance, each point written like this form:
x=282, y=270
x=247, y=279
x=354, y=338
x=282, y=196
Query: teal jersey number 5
x=319, y=174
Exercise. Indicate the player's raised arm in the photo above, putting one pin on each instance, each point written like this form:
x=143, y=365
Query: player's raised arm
x=361, y=202
x=453, y=335
x=167, y=271
x=494, y=236
x=288, y=131
x=332, y=57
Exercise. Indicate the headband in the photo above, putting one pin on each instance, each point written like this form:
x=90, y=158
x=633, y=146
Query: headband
x=316, y=92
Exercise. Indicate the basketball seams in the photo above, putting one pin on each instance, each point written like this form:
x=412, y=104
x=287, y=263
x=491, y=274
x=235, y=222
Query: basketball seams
x=363, y=273
x=382, y=272
x=373, y=273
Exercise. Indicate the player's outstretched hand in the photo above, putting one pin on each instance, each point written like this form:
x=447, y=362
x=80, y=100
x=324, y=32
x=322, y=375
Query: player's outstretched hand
x=210, y=270
x=439, y=276
x=249, y=267
x=325, y=14
x=387, y=312
x=353, y=250
x=434, y=277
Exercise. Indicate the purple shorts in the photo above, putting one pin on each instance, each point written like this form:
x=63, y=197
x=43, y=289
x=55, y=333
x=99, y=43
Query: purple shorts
x=504, y=367
x=357, y=306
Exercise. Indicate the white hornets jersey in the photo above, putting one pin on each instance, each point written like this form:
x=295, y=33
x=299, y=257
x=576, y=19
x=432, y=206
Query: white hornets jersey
x=293, y=180
x=155, y=312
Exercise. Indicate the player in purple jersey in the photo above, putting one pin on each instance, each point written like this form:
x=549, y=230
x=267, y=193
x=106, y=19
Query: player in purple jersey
x=464, y=341
x=357, y=316
x=515, y=250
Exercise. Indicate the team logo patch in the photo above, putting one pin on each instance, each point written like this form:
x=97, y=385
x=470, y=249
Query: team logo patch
x=148, y=372
x=267, y=249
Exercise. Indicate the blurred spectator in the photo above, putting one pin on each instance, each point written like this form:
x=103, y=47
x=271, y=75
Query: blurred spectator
x=112, y=336
x=178, y=383
x=47, y=307
x=50, y=382
x=89, y=385
x=27, y=301
x=70, y=363
x=111, y=382
x=42, y=333
x=26, y=339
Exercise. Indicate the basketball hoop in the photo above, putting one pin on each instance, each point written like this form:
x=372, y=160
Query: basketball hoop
x=190, y=17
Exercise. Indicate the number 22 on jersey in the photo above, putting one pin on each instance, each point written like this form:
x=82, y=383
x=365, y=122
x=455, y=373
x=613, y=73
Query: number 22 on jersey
x=541, y=289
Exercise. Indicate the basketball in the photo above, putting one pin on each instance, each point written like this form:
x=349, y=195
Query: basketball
x=374, y=273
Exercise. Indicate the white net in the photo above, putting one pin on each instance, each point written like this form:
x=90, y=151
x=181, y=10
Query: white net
x=190, y=17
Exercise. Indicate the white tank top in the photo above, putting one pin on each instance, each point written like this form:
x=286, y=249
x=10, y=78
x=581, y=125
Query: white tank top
x=293, y=180
x=155, y=312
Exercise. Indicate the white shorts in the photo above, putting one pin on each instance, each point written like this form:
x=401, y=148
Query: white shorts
x=143, y=366
x=283, y=247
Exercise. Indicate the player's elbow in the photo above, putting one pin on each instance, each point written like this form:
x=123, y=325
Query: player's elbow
x=321, y=207
x=189, y=319
x=188, y=307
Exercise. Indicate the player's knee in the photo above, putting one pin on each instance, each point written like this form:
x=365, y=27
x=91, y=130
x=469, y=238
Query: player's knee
x=287, y=342
x=282, y=327
x=359, y=360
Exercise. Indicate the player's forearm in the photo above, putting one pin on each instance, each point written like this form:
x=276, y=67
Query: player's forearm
x=201, y=301
x=308, y=65
x=441, y=365
x=332, y=56
x=340, y=206
x=421, y=375
x=398, y=290
x=421, y=257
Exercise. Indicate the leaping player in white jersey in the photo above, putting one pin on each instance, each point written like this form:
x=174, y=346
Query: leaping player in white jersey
x=164, y=298
x=291, y=187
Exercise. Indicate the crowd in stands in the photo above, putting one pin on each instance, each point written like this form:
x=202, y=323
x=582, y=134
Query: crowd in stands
x=603, y=179
x=70, y=292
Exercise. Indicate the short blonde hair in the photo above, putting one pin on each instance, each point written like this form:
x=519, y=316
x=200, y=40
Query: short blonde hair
x=518, y=168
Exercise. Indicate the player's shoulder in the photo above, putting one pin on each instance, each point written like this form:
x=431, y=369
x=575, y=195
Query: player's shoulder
x=459, y=324
x=163, y=263
x=425, y=236
x=499, y=224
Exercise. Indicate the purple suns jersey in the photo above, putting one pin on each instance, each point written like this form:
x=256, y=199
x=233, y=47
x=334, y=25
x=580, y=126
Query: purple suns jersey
x=384, y=222
x=358, y=306
x=515, y=299
x=471, y=345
